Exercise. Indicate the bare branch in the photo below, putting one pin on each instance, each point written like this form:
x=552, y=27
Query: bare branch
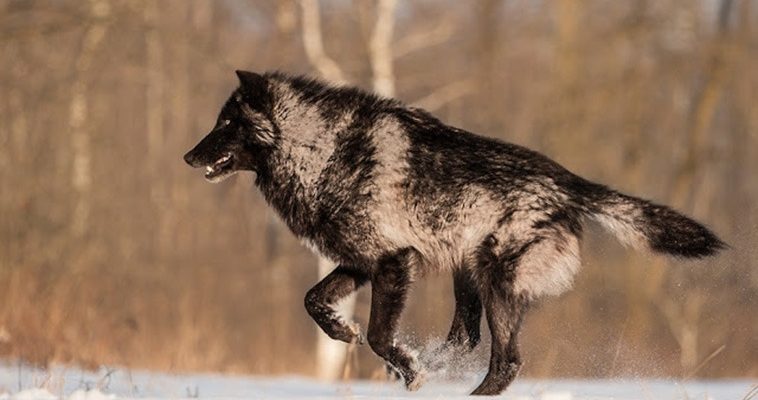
x=444, y=95
x=428, y=38
x=314, y=43
x=704, y=362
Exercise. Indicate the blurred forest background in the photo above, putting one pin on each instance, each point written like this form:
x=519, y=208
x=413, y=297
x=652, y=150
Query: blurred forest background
x=113, y=251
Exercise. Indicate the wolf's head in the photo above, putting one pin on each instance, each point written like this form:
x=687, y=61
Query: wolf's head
x=243, y=134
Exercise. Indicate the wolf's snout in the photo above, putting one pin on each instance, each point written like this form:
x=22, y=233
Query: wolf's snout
x=190, y=159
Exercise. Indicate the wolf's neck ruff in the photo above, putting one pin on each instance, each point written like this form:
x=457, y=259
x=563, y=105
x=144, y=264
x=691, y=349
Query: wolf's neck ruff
x=306, y=142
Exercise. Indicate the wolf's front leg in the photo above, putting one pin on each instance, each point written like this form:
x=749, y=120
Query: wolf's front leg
x=389, y=287
x=321, y=299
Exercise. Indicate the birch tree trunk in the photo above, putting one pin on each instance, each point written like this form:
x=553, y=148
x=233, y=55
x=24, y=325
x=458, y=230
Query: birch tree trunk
x=81, y=174
x=154, y=111
x=313, y=42
x=380, y=49
x=330, y=354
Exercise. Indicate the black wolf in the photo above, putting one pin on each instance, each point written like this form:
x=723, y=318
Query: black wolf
x=388, y=192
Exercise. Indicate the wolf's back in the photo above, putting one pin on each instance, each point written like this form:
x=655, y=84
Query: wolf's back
x=643, y=224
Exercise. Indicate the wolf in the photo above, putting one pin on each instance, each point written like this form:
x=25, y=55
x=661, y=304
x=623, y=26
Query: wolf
x=390, y=193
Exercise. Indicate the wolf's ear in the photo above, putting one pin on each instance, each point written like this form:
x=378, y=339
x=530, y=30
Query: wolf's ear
x=251, y=83
x=248, y=78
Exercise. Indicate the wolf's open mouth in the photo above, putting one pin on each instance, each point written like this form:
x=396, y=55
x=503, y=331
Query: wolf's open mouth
x=219, y=169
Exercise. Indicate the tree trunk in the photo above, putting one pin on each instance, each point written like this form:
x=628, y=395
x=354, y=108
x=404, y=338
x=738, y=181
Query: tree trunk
x=81, y=177
x=380, y=49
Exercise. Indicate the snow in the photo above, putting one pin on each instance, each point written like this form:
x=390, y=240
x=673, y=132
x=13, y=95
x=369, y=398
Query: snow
x=94, y=394
x=25, y=383
x=32, y=394
x=44, y=394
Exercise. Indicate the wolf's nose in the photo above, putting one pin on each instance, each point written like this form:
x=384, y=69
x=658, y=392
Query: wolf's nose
x=189, y=159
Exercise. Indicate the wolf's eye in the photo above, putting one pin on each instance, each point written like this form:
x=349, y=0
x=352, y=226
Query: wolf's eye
x=226, y=122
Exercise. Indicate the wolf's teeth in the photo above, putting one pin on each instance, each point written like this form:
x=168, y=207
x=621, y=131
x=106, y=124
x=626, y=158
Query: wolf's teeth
x=208, y=169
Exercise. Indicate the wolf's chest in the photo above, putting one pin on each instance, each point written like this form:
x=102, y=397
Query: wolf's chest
x=334, y=227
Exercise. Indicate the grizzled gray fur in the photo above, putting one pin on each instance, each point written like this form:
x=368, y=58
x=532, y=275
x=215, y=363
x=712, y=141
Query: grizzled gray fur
x=389, y=193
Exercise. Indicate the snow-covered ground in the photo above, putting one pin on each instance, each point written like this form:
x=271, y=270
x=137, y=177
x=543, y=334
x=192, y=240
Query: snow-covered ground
x=73, y=384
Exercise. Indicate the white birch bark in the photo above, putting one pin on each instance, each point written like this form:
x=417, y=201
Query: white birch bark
x=380, y=48
x=314, y=44
x=81, y=173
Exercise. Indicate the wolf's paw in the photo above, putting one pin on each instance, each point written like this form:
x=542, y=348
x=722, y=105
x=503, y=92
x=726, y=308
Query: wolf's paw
x=415, y=375
x=349, y=333
x=415, y=380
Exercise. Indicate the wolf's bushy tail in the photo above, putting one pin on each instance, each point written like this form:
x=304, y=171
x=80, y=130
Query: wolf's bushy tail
x=643, y=224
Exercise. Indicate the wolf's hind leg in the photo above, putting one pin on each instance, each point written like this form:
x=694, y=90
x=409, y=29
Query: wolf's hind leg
x=504, y=315
x=497, y=270
x=468, y=312
x=320, y=301
x=389, y=287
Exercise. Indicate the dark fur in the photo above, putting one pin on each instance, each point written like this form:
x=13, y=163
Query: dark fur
x=390, y=192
